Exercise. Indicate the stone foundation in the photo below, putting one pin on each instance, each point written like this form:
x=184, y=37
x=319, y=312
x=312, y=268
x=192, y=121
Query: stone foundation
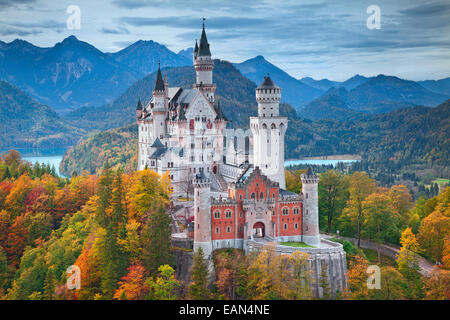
x=329, y=255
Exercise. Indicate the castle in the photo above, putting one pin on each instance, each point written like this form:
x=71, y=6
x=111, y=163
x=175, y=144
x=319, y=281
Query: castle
x=237, y=177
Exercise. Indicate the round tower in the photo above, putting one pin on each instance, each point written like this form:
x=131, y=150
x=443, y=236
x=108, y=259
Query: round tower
x=204, y=66
x=268, y=132
x=202, y=214
x=310, y=182
x=160, y=106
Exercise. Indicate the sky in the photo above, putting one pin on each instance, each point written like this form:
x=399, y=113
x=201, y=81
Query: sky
x=320, y=39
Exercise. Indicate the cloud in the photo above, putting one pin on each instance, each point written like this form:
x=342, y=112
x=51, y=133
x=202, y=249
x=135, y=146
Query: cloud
x=45, y=24
x=8, y=31
x=14, y=3
x=433, y=8
x=118, y=30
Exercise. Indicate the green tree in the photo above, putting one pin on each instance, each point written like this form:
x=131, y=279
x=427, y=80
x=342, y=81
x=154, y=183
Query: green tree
x=380, y=221
x=198, y=289
x=164, y=286
x=156, y=241
x=333, y=194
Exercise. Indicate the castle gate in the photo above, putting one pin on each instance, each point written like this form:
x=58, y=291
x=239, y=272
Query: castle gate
x=259, y=230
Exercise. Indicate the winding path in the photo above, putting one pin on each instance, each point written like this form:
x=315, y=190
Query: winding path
x=386, y=250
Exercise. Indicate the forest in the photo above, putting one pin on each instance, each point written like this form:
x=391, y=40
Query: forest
x=115, y=228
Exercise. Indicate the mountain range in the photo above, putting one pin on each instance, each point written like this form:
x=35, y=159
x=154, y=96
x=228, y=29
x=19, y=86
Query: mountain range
x=74, y=74
x=91, y=90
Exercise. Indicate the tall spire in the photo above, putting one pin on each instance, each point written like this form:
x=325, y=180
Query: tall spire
x=159, y=85
x=204, y=45
x=195, y=48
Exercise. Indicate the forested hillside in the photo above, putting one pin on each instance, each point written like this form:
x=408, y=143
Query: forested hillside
x=413, y=135
x=27, y=123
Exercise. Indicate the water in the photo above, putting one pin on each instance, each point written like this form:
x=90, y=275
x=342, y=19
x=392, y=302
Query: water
x=51, y=156
x=54, y=157
x=288, y=163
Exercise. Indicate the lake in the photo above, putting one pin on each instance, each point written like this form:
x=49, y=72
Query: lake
x=51, y=156
x=319, y=162
x=54, y=157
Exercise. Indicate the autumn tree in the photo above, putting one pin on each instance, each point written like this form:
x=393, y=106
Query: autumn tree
x=357, y=278
x=435, y=227
x=132, y=286
x=198, y=289
x=392, y=285
x=408, y=263
x=231, y=273
x=293, y=180
x=333, y=194
x=360, y=187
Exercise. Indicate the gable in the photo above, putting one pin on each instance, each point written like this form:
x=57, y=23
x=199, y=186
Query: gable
x=200, y=107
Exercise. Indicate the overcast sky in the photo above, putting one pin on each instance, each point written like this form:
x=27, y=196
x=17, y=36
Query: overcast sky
x=321, y=39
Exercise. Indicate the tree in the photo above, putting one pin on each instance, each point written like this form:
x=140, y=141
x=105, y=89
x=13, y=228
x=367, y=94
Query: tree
x=333, y=194
x=360, y=186
x=49, y=285
x=3, y=269
x=391, y=287
x=435, y=227
x=156, y=240
x=380, y=220
x=408, y=263
x=231, y=274
x=437, y=286
x=164, y=286
x=198, y=289
x=401, y=203
x=293, y=180
x=357, y=278
x=132, y=286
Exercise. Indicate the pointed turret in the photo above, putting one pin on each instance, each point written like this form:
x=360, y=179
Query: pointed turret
x=139, y=109
x=159, y=85
x=203, y=50
x=195, y=53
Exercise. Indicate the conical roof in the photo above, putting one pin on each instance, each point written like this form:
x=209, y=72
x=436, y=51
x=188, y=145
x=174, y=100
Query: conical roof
x=196, y=48
x=157, y=144
x=159, y=85
x=267, y=83
x=139, y=105
x=203, y=50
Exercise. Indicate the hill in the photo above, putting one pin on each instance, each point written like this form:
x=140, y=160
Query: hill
x=294, y=91
x=381, y=94
x=27, y=123
x=373, y=95
x=143, y=57
x=118, y=146
x=439, y=86
x=415, y=134
x=332, y=105
x=323, y=84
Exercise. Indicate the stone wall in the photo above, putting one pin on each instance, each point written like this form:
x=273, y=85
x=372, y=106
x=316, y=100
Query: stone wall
x=330, y=255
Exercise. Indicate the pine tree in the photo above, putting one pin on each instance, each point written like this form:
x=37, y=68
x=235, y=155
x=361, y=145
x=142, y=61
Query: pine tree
x=49, y=285
x=156, y=241
x=104, y=193
x=198, y=289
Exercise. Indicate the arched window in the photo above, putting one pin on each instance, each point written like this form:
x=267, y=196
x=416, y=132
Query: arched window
x=285, y=226
x=296, y=226
x=261, y=195
x=285, y=211
x=217, y=214
x=252, y=195
x=228, y=229
x=228, y=214
x=217, y=230
x=296, y=211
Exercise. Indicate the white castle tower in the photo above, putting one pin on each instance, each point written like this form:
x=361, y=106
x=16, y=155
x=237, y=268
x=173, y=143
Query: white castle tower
x=160, y=107
x=268, y=132
x=202, y=214
x=310, y=183
x=204, y=66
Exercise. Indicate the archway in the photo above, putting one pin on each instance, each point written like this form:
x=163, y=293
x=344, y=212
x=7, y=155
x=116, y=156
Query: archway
x=259, y=230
